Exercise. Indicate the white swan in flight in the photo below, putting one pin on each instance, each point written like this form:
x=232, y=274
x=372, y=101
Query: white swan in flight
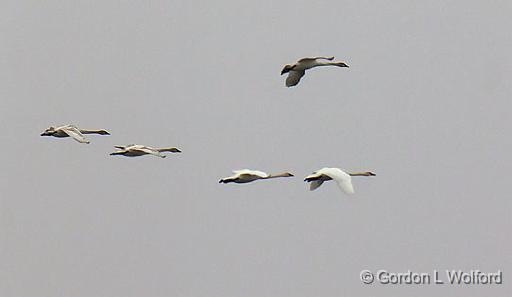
x=297, y=70
x=247, y=176
x=343, y=179
x=135, y=150
x=72, y=131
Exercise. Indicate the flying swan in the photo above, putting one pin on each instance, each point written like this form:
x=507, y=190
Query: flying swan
x=297, y=70
x=72, y=131
x=247, y=176
x=343, y=179
x=135, y=150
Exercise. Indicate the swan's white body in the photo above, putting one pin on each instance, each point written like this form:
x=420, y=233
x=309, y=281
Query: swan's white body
x=296, y=71
x=135, y=150
x=342, y=178
x=73, y=132
x=247, y=175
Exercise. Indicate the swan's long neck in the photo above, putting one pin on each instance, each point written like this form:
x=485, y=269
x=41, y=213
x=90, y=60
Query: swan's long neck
x=326, y=63
x=101, y=132
x=362, y=174
x=169, y=149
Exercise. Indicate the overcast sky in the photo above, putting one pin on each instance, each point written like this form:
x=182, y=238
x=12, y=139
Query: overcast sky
x=425, y=104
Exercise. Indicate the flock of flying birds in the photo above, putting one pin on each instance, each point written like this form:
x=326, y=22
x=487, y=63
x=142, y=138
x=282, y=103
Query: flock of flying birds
x=295, y=72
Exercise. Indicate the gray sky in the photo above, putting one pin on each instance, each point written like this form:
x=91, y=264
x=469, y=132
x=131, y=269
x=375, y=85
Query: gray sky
x=426, y=104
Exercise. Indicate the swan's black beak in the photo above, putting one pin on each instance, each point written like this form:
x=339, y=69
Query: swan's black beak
x=372, y=174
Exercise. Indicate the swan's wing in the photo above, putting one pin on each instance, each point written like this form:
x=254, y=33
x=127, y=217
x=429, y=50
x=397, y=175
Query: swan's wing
x=346, y=186
x=343, y=180
x=73, y=132
x=250, y=172
x=122, y=147
x=259, y=173
x=70, y=126
x=315, y=184
x=316, y=58
x=294, y=77
x=149, y=151
x=246, y=176
x=135, y=146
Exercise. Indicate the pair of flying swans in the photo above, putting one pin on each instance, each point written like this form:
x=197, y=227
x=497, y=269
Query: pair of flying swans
x=343, y=179
x=135, y=150
x=296, y=71
x=132, y=150
x=73, y=132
